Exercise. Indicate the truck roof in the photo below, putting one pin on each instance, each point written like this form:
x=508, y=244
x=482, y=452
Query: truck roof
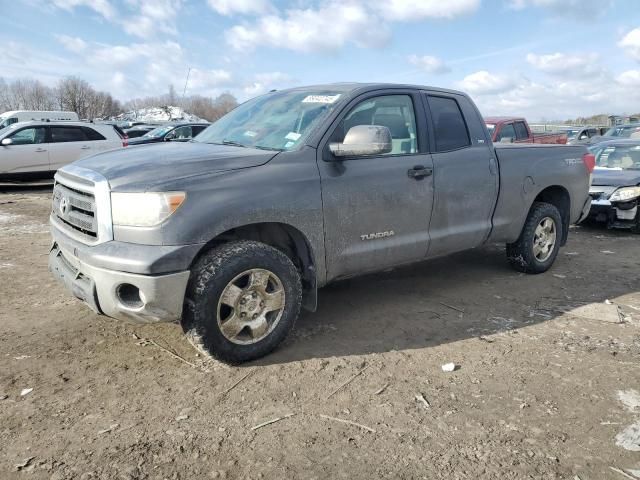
x=356, y=87
x=499, y=120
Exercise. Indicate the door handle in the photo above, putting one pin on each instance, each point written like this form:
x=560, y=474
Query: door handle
x=39, y=150
x=420, y=171
x=86, y=147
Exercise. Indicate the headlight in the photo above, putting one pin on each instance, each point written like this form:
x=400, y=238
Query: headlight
x=144, y=209
x=625, y=194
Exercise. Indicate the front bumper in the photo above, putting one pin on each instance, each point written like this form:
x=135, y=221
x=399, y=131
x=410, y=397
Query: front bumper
x=160, y=296
x=615, y=215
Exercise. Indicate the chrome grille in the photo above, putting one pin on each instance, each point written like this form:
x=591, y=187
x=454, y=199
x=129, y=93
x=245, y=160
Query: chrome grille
x=81, y=207
x=76, y=209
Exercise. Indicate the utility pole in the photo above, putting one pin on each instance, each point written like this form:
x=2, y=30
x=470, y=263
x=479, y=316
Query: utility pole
x=184, y=91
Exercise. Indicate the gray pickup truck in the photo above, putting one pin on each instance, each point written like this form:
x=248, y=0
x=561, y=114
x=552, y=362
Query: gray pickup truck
x=233, y=232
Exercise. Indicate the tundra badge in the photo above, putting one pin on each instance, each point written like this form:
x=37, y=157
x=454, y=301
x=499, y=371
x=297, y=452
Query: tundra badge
x=373, y=236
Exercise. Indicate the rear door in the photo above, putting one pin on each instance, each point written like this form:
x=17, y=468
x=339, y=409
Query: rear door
x=28, y=152
x=68, y=144
x=465, y=175
x=376, y=210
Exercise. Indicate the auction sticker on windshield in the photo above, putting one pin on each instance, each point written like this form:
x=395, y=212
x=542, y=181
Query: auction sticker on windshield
x=321, y=98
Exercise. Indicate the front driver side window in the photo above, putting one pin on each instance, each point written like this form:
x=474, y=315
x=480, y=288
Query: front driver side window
x=182, y=133
x=392, y=111
x=28, y=136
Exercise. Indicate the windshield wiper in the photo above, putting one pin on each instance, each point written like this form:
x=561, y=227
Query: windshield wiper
x=235, y=144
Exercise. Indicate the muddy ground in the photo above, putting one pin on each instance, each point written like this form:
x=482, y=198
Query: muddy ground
x=547, y=385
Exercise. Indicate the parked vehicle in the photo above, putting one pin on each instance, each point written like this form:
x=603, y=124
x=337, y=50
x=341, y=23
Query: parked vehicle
x=235, y=231
x=139, y=130
x=35, y=150
x=583, y=135
x=615, y=191
x=9, y=118
x=630, y=130
x=516, y=130
x=179, y=132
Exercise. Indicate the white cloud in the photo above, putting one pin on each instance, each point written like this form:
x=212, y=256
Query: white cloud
x=243, y=7
x=153, y=18
x=485, y=83
x=410, y=10
x=563, y=65
x=630, y=78
x=103, y=7
x=429, y=64
x=325, y=29
x=264, y=82
x=73, y=44
x=569, y=7
x=631, y=43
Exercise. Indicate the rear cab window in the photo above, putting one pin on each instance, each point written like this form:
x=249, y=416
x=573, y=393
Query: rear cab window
x=507, y=132
x=449, y=125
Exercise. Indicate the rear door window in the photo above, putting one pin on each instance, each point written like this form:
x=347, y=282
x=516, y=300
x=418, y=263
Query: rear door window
x=521, y=131
x=67, y=134
x=29, y=136
x=450, y=127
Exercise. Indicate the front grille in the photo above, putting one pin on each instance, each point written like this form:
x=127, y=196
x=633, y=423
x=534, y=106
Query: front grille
x=76, y=209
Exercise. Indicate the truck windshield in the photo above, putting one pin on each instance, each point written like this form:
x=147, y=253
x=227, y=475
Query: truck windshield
x=619, y=157
x=571, y=134
x=276, y=121
x=623, y=131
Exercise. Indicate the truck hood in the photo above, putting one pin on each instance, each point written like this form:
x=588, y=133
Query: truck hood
x=148, y=166
x=615, y=177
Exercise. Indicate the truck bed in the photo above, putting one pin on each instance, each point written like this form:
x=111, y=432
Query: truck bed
x=537, y=164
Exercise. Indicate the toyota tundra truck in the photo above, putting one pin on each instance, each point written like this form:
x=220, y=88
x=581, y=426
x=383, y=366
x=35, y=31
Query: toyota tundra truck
x=234, y=232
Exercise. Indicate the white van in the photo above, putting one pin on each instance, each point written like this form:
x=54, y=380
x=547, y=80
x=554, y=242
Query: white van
x=15, y=116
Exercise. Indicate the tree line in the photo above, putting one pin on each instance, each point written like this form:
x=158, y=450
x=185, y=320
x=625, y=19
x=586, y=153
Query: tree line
x=77, y=95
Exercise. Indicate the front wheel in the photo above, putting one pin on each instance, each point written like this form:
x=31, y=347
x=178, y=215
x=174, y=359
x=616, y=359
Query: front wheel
x=242, y=300
x=537, y=247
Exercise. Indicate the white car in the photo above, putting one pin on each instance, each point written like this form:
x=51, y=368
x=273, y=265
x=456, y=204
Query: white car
x=35, y=150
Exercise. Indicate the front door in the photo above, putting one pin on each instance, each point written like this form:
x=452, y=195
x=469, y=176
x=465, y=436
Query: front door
x=376, y=210
x=28, y=152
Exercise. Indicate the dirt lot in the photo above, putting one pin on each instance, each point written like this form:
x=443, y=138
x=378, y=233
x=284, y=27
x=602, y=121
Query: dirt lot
x=542, y=391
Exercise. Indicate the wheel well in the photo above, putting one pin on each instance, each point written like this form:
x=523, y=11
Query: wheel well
x=285, y=238
x=560, y=198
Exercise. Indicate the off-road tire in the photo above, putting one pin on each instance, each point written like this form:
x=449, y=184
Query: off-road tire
x=209, y=277
x=520, y=253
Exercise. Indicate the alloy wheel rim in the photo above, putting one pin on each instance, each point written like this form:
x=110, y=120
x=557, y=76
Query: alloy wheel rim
x=544, y=239
x=251, y=306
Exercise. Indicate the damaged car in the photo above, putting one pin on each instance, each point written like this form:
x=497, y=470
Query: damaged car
x=615, y=189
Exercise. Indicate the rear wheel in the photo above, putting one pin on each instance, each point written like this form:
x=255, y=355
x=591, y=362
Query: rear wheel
x=537, y=247
x=242, y=300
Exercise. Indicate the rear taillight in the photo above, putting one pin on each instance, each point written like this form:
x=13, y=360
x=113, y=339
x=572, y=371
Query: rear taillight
x=589, y=160
x=125, y=141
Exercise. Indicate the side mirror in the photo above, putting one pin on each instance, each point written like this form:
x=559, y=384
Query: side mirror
x=6, y=142
x=363, y=140
x=169, y=136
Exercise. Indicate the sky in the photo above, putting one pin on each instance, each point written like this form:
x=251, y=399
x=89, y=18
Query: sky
x=544, y=59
